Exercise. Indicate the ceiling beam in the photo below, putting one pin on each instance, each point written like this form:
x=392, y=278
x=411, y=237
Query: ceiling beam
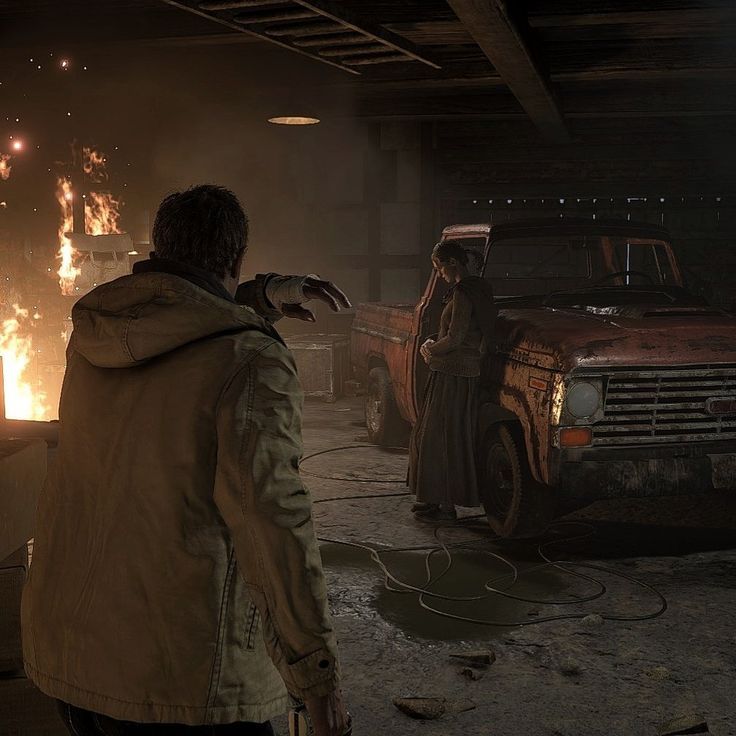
x=501, y=39
x=674, y=17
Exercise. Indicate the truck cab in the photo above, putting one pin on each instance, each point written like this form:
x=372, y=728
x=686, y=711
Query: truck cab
x=606, y=377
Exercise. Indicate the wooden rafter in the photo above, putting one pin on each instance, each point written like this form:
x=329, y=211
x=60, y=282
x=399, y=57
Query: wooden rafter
x=501, y=40
x=309, y=26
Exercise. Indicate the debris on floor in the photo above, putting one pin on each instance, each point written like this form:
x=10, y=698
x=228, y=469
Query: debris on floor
x=425, y=709
x=689, y=724
x=430, y=709
x=478, y=658
x=568, y=667
x=592, y=621
x=470, y=673
x=658, y=673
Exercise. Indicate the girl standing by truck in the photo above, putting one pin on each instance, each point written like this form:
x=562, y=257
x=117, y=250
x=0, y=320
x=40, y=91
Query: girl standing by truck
x=442, y=466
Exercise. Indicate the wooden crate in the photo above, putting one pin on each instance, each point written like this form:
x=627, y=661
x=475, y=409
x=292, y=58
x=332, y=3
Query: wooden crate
x=22, y=473
x=323, y=363
x=26, y=711
x=13, y=572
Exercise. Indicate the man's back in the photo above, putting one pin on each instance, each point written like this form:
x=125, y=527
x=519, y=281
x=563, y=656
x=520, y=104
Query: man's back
x=136, y=606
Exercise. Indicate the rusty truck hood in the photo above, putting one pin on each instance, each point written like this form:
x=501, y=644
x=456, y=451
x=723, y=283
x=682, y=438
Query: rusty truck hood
x=565, y=339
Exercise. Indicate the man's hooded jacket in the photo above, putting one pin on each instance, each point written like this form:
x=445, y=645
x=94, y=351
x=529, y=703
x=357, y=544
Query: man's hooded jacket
x=176, y=575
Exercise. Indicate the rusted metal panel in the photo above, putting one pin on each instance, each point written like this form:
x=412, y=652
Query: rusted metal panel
x=381, y=335
x=667, y=376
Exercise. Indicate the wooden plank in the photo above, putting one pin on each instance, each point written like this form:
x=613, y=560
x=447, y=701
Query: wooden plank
x=502, y=41
x=330, y=17
x=244, y=29
x=237, y=4
x=433, y=33
x=340, y=14
x=556, y=15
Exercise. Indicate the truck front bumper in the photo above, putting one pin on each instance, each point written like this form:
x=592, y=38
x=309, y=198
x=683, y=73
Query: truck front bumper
x=589, y=474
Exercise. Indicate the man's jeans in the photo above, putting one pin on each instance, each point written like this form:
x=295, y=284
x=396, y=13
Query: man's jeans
x=83, y=723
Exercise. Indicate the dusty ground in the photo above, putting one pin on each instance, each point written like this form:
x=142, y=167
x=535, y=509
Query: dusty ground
x=559, y=678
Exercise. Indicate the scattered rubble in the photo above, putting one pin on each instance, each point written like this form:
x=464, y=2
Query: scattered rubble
x=425, y=709
x=471, y=673
x=658, y=673
x=689, y=724
x=430, y=709
x=476, y=658
x=592, y=621
x=568, y=667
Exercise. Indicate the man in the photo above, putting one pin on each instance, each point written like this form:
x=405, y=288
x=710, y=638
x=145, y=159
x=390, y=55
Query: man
x=176, y=578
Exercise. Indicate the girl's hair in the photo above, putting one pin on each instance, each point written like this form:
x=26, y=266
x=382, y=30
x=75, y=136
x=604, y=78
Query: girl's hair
x=450, y=249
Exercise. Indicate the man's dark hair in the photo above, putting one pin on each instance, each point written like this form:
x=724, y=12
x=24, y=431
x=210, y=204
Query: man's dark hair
x=450, y=249
x=204, y=226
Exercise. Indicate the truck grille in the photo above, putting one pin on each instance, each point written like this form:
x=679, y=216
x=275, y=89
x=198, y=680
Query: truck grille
x=666, y=405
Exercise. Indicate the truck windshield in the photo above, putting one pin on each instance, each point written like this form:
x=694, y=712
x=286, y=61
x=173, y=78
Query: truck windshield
x=539, y=265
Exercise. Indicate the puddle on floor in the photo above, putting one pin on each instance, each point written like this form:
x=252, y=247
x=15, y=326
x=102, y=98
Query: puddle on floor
x=470, y=570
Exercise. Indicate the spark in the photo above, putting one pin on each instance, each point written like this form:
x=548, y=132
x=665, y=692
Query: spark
x=17, y=145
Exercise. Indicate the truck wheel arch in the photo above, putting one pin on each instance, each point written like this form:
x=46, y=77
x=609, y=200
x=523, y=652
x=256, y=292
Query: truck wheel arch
x=491, y=415
x=383, y=420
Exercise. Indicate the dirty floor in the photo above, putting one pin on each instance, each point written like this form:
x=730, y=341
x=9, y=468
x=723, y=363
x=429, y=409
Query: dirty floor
x=617, y=666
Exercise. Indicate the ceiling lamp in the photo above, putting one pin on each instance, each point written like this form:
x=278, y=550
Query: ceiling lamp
x=293, y=120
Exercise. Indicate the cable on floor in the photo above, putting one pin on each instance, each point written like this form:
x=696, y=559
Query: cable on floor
x=425, y=590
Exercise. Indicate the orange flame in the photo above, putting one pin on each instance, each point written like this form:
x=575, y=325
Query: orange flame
x=67, y=272
x=93, y=163
x=22, y=400
x=5, y=166
x=101, y=214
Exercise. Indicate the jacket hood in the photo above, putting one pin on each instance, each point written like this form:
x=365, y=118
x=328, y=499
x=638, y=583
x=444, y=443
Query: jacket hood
x=136, y=318
x=568, y=339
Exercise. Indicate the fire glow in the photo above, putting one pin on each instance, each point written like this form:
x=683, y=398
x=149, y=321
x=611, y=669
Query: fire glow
x=68, y=271
x=5, y=166
x=23, y=400
x=101, y=216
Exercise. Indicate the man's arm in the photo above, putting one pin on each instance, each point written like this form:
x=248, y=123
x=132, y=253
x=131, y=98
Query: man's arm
x=254, y=294
x=268, y=511
x=274, y=296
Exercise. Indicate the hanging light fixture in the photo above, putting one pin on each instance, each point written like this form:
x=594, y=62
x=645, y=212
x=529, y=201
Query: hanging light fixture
x=293, y=120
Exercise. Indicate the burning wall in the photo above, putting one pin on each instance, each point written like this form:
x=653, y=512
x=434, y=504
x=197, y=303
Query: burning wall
x=32, y=393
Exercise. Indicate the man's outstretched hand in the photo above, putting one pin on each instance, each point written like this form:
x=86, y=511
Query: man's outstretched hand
x=324, y=291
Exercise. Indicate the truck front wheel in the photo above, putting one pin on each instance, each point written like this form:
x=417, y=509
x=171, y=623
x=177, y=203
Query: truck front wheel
x=516, y=505
x=385, y=425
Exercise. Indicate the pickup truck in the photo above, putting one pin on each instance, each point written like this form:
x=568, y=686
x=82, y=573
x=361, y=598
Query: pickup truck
x=607, y=377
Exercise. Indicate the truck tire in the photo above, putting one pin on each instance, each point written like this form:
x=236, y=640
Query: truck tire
x=385, y=425
x=516, y=505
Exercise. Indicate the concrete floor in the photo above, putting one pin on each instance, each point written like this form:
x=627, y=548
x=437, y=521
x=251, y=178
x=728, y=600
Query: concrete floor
x=561, y=678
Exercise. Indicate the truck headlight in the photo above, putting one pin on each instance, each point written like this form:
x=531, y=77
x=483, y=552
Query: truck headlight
x=583, y=399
